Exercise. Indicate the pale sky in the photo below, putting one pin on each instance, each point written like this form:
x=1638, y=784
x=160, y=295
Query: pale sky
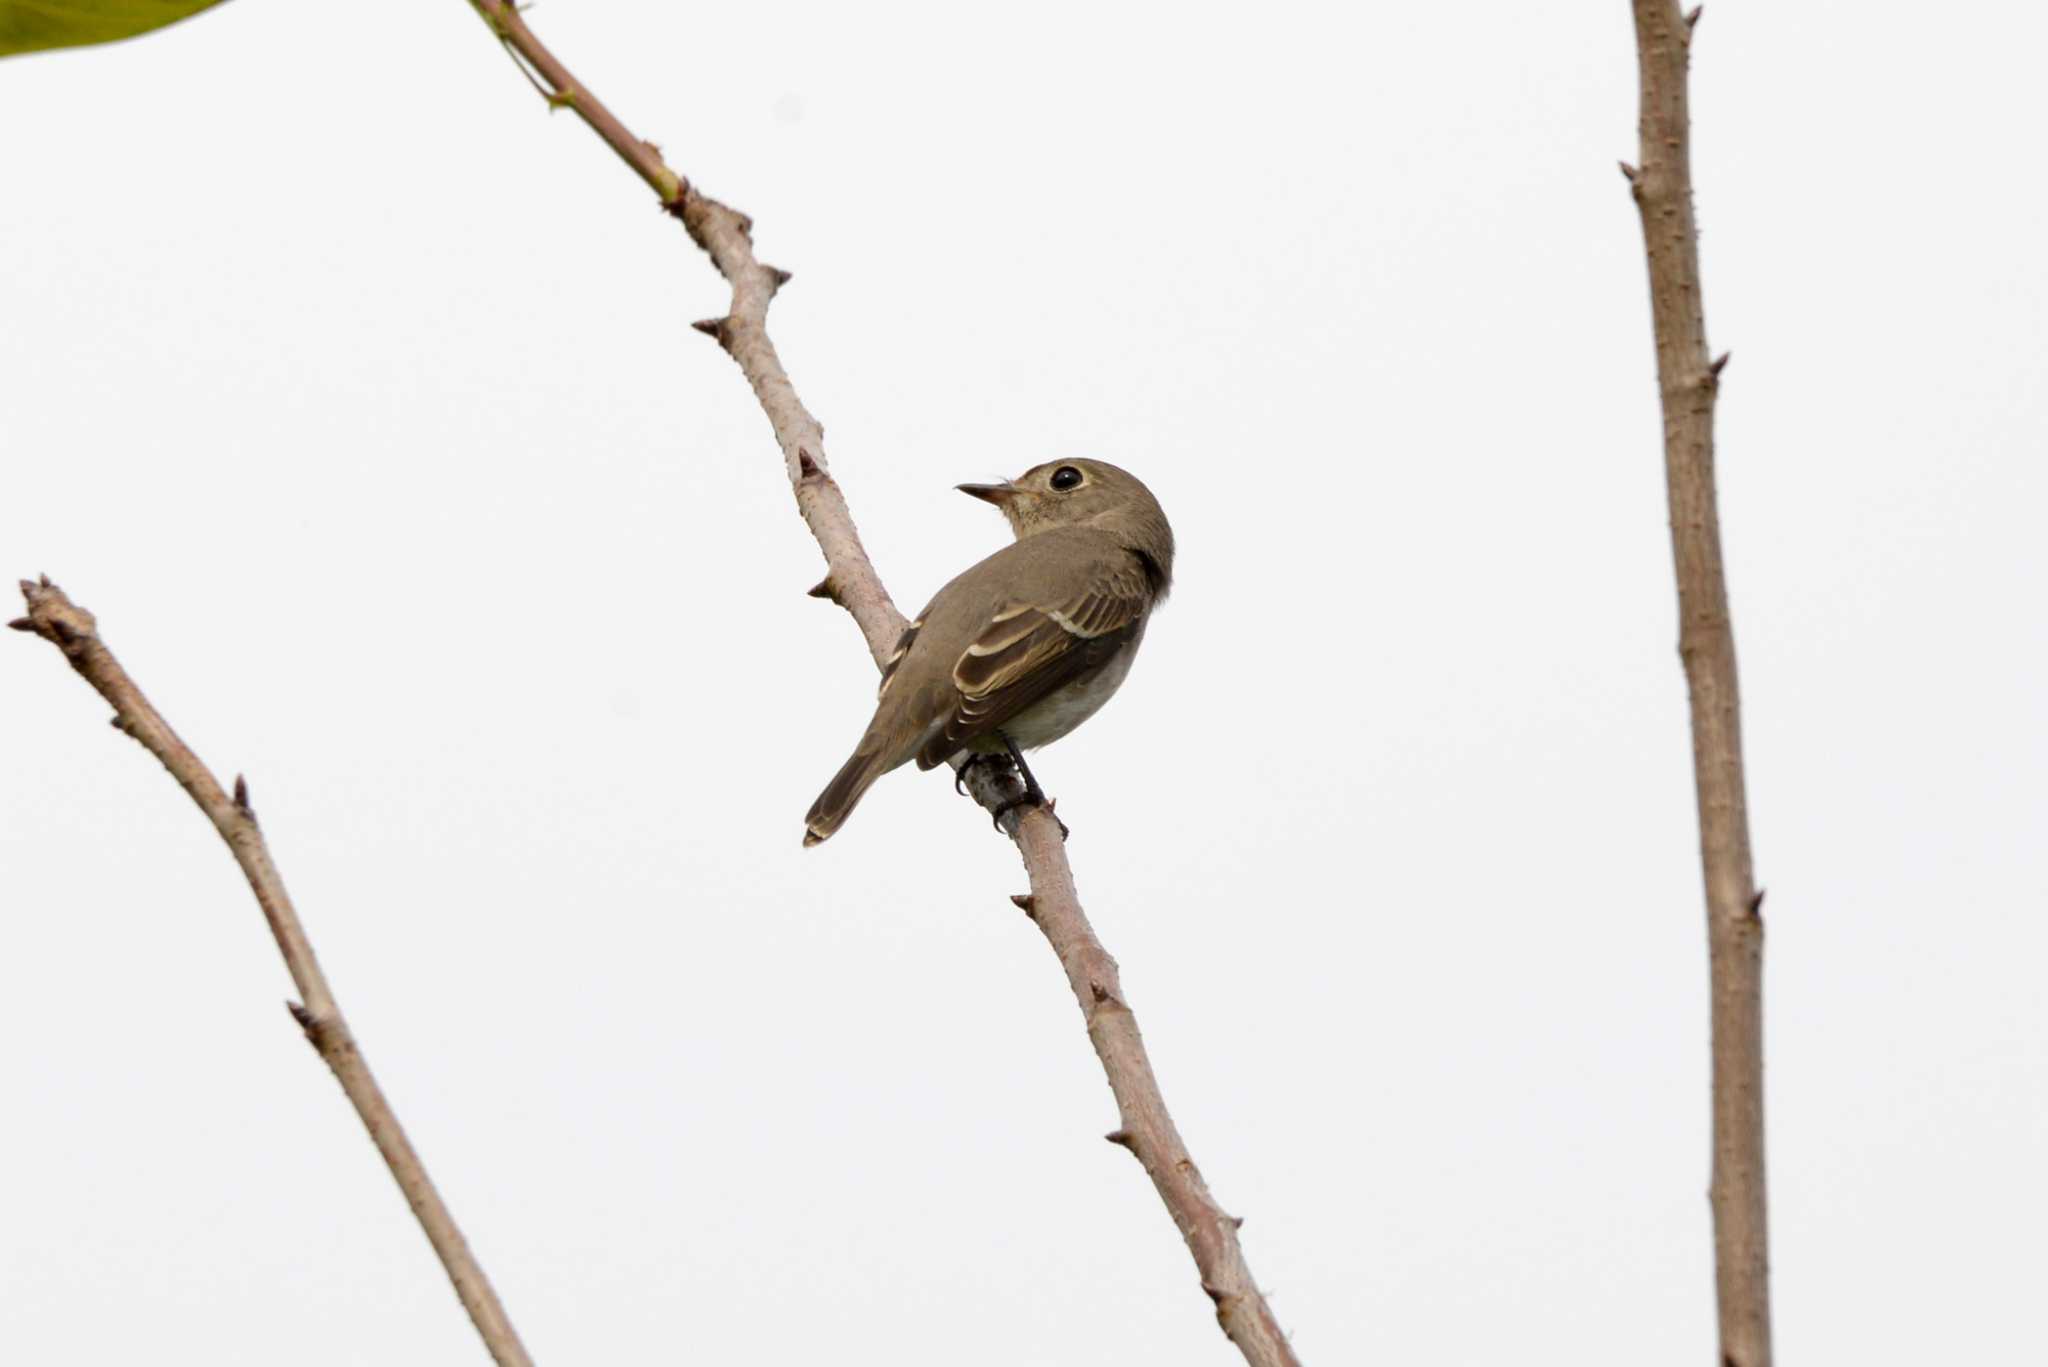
x=355, y=394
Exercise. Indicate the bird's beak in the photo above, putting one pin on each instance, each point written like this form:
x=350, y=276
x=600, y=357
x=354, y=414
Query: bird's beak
x=998, y=494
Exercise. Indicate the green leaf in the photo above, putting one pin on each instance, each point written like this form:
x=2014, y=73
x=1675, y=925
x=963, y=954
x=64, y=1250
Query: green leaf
x=32, y=25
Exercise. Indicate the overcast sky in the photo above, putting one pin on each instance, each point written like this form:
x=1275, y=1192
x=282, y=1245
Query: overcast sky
x=354, y=393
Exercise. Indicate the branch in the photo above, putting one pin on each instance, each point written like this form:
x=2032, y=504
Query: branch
x=1689, y=383
x=1147, y=1128
x=727, y=237
x=55, y=618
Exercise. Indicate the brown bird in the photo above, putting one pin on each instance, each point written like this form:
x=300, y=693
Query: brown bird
x=1026, y=645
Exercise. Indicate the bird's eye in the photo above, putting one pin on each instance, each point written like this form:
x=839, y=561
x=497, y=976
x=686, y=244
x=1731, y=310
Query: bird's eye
x=1066, y=477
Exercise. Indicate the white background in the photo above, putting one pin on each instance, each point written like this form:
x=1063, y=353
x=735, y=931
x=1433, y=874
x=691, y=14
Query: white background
x=355, y=394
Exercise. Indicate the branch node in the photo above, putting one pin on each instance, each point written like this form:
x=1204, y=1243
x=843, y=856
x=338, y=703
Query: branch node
x=560, y=99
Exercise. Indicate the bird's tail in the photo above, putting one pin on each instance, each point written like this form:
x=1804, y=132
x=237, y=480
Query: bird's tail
x=837, y=802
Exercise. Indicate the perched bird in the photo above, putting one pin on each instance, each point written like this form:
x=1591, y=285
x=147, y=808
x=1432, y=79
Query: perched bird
x=1026, y=645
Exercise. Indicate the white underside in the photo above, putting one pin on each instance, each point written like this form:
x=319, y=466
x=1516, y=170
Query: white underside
x=1047, y=720
x=1053, y=716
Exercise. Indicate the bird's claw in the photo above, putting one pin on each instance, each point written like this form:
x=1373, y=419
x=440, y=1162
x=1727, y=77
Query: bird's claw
x=1012, y=759
x=1031, y=798
x=960, y=774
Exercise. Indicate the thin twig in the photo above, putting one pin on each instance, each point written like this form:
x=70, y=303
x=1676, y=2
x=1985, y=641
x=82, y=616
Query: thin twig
x=55, y=618
x=1689, y=382
x=850, y=580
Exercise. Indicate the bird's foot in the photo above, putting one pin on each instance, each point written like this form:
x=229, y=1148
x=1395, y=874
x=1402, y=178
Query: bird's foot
x=1032, y=797
x=1008, y=760
x=960, y=774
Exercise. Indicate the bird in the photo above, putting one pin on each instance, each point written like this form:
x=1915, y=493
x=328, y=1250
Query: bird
x=1026, y=645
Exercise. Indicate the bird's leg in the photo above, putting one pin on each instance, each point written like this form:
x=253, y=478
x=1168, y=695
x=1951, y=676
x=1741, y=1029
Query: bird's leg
x=1034, y=796
x=960, y=774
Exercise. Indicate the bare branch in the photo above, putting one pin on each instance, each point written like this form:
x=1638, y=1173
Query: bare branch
x=1147, y=1129
x=1690, y=383
x=726, y=236
x=55, y=618
x=851, y=581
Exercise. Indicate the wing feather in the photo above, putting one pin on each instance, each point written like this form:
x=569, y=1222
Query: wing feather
x=896, y=657
x=1028, y=652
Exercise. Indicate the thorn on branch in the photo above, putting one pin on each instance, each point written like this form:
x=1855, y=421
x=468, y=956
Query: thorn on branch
x=780, y=276
x=712, y=327
x=242, y=795
x=1756, y=905
x=1026, y=903
x=1122, y=1139
x=806, y=464
x=828, y=588
x=22, y=624
x=1692, y=17
x=1236, y=1221
x=1719, y=364
x=301, y=1015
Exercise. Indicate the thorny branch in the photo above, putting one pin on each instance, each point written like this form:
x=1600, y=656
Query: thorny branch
x=1689, y=383
x=73, y=630
x=1146, y=1128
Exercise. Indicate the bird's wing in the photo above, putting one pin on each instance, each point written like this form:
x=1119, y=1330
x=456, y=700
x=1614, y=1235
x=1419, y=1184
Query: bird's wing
x=896, y=656
x=1027, y=652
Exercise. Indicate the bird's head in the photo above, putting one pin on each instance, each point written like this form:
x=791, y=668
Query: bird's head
x=1086, y=493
